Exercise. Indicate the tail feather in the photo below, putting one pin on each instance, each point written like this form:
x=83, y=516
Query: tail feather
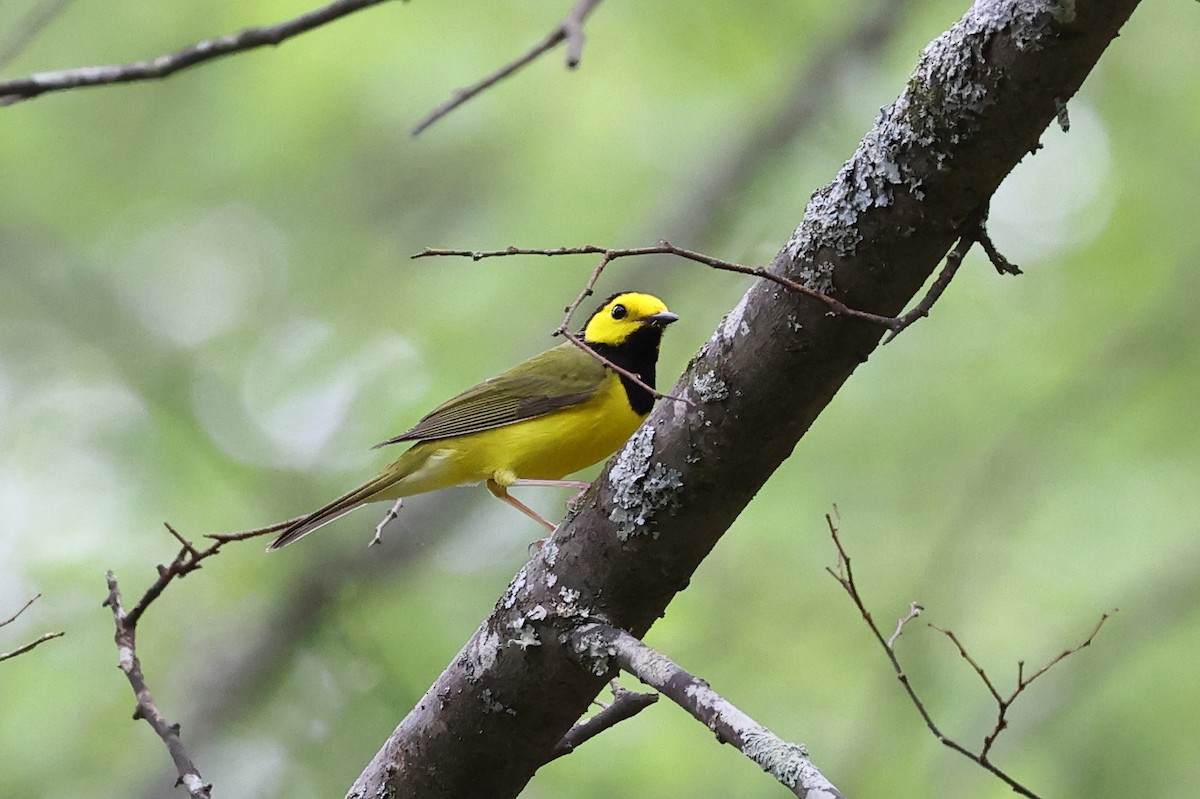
x=334, y=510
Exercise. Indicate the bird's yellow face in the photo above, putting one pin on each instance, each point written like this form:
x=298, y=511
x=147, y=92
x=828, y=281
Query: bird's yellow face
x=624, y=314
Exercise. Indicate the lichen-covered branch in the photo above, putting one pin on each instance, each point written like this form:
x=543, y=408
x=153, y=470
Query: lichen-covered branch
x=597, y=645
x=980, y=97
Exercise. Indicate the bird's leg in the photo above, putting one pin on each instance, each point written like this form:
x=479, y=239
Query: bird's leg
x=500, y=492
x=582, y=485
x=392, y=513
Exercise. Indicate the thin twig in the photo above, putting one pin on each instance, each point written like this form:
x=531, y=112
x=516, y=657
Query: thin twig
x=921, y=310
x=21, y=650
x=973, y=230
x=225, y=538
x=608, y=255
x=666, y=248
x=188, y=560
x=622, y=371
x=13, y=91
x=1003, y=703
x=570, y=29
x=126, y=640
x=20, y=610
x=845, y=577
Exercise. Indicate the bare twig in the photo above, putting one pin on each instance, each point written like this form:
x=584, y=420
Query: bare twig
x=845, y=577
x=607, y=256
x=570, y=29
x=622, y=371
x=188, y=560
x=666, y=248
x=625, y=705
x=13, y=91
x=126, y=639
x=972, y=231
x=20, y=610
x=1003, y=703
x=594, y=644
x=21, y=650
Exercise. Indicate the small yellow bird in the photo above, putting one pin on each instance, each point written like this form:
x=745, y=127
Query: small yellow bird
x=552, y=415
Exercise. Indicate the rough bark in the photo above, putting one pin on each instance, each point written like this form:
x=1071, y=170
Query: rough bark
x=978, y=101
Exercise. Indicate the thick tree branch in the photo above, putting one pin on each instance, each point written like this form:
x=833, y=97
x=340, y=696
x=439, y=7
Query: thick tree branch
x=595, y=644
x=979, y=99
x=12, y=91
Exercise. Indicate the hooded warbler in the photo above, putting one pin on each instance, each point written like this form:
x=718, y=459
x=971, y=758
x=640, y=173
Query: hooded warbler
x=552, y=415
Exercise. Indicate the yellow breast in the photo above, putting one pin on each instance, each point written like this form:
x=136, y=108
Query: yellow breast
x=545, y=448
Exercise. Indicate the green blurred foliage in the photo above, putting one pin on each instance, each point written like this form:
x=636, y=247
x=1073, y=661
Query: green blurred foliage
x=208, y=316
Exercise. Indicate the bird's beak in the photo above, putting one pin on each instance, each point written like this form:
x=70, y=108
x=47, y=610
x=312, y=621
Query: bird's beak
x=661, y=319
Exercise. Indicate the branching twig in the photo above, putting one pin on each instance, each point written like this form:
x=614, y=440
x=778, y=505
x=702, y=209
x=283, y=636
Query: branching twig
x=126, y=638
x=607, y=256
x=973, y=230
x=625, y=705
x=595, y=644
x=1003, y=703
x=569, y=29
x=13, y=91
x=32, y=644
x=187, y=561
x=666, y=248
x=845, y=577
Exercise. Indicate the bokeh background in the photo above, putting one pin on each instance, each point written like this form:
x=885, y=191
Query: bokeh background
x=208, y=316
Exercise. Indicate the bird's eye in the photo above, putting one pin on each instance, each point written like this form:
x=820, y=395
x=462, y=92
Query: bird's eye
x=619, y=312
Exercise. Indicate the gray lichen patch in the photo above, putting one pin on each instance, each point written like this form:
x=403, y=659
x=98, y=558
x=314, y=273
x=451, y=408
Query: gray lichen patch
x=493, y=705
x=513, y=591
x=709, y=387
x=596, y=653
x=641, y=489
x=783, y=760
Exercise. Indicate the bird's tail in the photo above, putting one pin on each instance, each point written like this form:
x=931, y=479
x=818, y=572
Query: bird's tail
x=334, y=510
